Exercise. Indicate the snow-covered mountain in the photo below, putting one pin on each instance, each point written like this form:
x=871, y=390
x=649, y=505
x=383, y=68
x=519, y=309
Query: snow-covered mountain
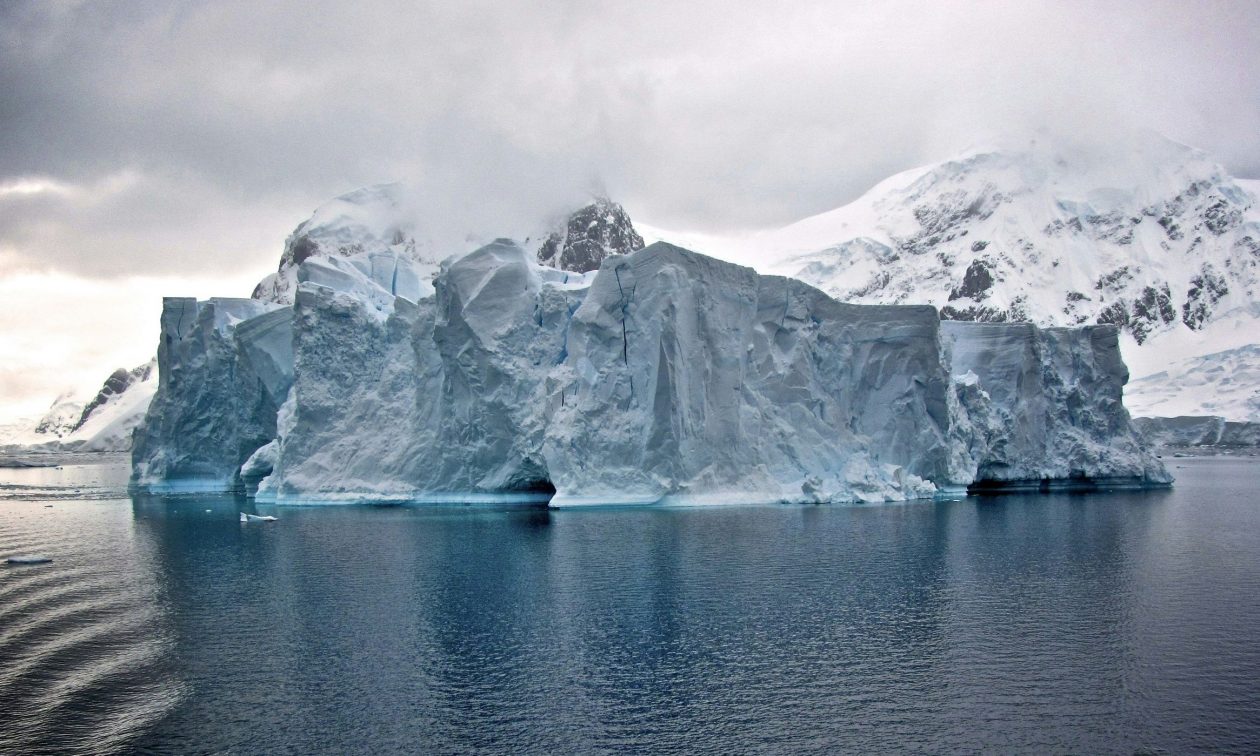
x=1151, y=240
x=102, y=421
x=1157, y=239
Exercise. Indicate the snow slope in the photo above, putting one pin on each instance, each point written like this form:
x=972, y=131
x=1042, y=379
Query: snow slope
x=100, y=421
x=1225, y=383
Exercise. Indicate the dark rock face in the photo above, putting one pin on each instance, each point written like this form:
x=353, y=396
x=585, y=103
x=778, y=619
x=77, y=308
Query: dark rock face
x=942, y=218
x=1152, y=309
x=975, y=284
x=591, y=234
x=117, y=382
x=54, y=424
x=1206, y=289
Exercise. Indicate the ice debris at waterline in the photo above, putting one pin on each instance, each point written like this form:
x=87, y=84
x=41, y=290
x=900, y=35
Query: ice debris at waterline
x=663, y=377
x=246, y=517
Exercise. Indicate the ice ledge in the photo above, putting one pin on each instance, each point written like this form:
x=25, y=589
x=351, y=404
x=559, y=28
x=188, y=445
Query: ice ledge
x=448, y=498
x=176, y=486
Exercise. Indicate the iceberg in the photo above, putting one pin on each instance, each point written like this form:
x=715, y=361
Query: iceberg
x=662, y=377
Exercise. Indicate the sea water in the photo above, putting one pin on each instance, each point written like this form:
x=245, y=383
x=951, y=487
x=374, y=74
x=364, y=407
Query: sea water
x=1093, y=623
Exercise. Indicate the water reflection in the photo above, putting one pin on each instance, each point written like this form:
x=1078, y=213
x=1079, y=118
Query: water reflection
x=1021, y=622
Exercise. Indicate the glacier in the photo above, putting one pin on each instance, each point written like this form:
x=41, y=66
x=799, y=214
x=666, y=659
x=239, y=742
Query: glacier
x=662, y=376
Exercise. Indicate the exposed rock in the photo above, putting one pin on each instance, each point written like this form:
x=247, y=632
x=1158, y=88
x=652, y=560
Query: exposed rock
x=589, y=235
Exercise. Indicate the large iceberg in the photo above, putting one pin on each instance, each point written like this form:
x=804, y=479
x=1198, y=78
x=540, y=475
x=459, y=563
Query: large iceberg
x=664, y=376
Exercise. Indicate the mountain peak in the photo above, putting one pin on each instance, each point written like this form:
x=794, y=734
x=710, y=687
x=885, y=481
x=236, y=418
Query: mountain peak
x=591, y=233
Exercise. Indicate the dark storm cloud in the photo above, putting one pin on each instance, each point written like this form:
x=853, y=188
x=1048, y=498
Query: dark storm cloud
x=193, y=137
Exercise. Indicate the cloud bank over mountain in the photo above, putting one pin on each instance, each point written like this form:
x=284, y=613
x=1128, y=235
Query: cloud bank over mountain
x=163, y=137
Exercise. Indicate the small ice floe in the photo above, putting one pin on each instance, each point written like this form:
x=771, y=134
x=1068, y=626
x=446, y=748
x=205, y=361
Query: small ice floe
x=256, y=518
x=28, y=559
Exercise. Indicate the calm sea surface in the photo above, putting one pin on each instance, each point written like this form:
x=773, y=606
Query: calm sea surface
x=1107, y=623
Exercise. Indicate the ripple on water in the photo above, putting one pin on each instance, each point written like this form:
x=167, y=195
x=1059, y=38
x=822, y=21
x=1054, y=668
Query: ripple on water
x=85, y=656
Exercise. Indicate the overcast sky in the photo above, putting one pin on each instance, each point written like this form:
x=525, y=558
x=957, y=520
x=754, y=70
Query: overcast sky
x=169, y=147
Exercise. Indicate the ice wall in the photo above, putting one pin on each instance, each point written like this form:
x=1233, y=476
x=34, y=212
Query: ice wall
x=224, y=367
x=1045, y=405
x=689, y=379
x=443, y=400
x=1197, y=430
x=664, y=377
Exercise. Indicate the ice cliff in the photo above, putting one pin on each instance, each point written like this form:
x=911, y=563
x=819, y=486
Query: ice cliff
x=224, y=367
x=1187, y=431
x=664, y=376
x=1045, y=406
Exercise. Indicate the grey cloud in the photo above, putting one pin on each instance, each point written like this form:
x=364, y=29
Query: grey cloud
x=236, y=119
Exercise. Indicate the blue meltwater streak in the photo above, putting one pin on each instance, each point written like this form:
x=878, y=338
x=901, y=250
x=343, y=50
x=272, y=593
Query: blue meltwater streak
x=1020, y=623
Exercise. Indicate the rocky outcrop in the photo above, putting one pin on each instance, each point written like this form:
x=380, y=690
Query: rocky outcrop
x=588, y=236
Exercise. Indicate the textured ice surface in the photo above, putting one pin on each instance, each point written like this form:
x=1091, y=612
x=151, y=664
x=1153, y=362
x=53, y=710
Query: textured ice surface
x=442, y=400
x=374, y=219
x=224, y=368
x=664, y=377
x=1046, y=404
x=688, y=379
